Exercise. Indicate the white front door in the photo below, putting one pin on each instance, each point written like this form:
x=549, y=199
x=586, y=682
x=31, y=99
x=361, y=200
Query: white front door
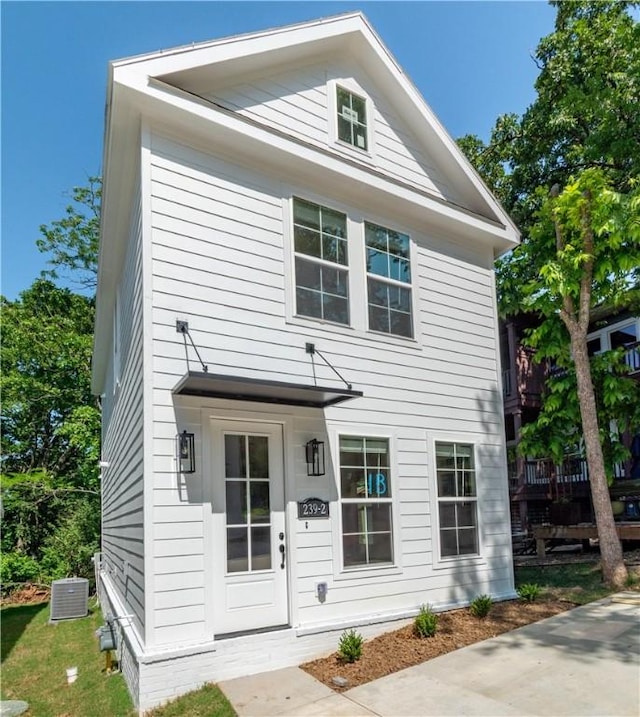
x=249, y=551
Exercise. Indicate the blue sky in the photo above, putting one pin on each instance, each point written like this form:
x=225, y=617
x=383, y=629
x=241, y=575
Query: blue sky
x=471, y=61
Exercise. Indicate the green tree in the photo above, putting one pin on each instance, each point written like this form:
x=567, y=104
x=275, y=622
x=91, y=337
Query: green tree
x=493, y=160
x=50, y=419
x=584, y=120
x=586, y=244
x=51, y=422
x=73, y=240
x=584, y=115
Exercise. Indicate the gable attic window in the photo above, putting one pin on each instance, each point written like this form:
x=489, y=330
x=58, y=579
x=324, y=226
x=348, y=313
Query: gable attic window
x=352, y=118
x=322, y=277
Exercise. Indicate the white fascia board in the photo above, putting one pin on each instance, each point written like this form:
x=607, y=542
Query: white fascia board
x=104, y=285
x=121, y=151
x=188, y=57
x=399, y=77
x=175, y=107
x=355, y=35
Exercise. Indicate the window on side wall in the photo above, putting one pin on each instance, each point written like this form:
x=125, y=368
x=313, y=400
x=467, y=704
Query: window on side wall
x=388, y=281
x=352, y=118
x=365, y=492
x=457, y=499
x=322, y=276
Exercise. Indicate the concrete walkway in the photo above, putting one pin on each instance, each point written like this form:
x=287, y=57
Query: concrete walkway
x=582, y=662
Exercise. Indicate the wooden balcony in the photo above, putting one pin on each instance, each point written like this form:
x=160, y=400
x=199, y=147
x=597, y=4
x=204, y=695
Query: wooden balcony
x=544, y=479
x=632, y=359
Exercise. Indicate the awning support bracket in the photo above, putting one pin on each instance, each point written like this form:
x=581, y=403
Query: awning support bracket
x=182, y=327
x=312, y=351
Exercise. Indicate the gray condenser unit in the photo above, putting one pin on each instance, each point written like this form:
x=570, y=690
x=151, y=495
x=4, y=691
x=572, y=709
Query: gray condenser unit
x=69, y=598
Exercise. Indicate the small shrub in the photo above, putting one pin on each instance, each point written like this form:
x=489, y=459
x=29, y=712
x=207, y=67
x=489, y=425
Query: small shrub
x=16, y=567
x=481, y=605
x=350, y=646
x=426, y=622
x=69, y=549
x=529, y=592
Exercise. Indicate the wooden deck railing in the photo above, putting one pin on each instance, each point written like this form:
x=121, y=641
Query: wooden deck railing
x=556, y=478
x=545, y=471
x=632, y=357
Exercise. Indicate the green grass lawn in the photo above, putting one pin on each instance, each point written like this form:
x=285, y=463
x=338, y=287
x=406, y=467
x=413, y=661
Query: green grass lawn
x=36, y=655
x=579, y=583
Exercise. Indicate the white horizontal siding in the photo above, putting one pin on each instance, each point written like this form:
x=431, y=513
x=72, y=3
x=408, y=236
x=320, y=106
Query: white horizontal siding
x=217, y=260
x=296, y=103
x=122, y=482
x=292, y=101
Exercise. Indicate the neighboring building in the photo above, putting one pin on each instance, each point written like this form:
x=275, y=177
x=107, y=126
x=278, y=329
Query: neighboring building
x=279, y=205
x=541, y=491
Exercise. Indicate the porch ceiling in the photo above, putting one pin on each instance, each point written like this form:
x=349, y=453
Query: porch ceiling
x=239, y=388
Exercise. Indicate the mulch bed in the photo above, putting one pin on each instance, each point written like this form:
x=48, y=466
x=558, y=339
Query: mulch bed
x=401, y=648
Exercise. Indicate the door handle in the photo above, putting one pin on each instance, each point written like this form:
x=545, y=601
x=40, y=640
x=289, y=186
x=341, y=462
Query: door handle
x=282, y=553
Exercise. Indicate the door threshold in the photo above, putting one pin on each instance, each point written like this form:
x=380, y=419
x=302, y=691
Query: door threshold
x=255, y=631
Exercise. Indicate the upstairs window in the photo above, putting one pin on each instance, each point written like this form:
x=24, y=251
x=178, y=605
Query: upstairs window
x=322, y=276
x=388, y=281
x=352, y=118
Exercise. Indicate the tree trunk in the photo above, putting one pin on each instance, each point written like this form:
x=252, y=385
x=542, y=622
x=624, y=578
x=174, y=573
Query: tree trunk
x=613, y=568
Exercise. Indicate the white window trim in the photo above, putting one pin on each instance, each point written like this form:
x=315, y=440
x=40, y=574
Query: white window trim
x=349, y=84
x=340, y=573
x=321, y=262
x=357, y=269
x=412, y=285
x=438, y=562
x=604, y=332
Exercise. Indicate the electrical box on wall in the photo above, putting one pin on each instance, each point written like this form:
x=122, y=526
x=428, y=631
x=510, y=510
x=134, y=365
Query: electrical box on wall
x=321, y=590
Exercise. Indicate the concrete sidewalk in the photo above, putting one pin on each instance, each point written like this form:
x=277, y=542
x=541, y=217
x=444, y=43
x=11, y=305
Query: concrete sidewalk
x=582, y=662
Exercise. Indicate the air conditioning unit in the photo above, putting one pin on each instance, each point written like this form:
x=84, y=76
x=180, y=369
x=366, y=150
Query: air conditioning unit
x=69, y=599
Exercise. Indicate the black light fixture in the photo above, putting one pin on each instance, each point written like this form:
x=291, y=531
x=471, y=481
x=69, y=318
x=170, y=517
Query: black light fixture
x=186, y=452
x=315, y=457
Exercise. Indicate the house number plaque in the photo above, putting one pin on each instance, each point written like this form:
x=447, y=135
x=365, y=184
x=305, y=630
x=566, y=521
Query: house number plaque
x=313, y=508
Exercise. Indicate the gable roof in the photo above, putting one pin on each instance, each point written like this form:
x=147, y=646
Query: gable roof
x=191, y=69
x=165, y=87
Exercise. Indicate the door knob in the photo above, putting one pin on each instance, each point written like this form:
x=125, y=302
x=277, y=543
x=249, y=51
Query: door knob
x=282, y=553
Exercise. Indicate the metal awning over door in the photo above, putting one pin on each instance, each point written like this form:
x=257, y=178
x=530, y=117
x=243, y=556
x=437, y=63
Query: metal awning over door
x=239, y=388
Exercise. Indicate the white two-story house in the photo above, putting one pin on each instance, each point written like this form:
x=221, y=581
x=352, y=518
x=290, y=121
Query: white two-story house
x=296, y=345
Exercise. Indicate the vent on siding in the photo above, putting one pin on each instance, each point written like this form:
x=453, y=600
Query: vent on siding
x=69, y=598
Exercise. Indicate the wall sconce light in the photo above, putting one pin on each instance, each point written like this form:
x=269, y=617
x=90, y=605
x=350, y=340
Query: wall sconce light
x=186, y=452
x=315, y=457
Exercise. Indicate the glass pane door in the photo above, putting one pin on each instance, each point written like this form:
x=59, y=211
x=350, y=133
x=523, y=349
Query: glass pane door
x=248, y=512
